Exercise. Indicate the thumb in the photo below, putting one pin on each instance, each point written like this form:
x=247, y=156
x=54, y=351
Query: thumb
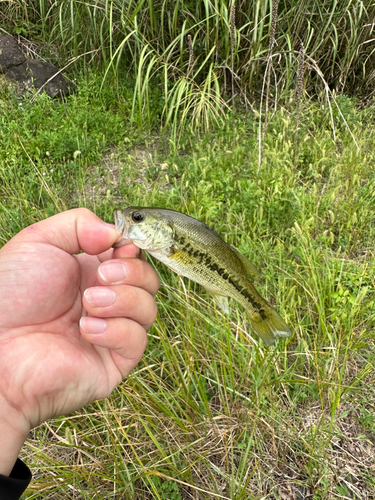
x=72, y=231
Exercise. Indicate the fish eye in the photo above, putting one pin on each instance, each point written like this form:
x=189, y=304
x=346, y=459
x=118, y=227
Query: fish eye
x=138, y=216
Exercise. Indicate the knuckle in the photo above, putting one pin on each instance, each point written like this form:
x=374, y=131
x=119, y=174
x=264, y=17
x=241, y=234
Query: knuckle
x=84, y=212
x=145, y=274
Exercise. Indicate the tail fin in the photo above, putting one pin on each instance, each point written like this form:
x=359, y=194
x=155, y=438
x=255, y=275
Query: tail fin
x=271, y=327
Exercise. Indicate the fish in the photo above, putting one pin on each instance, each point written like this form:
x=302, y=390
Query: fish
x=192, y=249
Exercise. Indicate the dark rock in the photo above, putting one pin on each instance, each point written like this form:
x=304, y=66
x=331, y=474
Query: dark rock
x=10, y=53
x=35, y=74
x=30, y=74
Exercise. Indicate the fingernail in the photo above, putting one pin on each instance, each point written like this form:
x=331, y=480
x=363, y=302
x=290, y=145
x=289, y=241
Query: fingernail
x=100, y=296
x=93, y=325
x=113, y=272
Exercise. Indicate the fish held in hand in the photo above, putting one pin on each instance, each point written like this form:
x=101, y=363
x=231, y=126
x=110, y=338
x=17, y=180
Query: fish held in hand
x=192, y=249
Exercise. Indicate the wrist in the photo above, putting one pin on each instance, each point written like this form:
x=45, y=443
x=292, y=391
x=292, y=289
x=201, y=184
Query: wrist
x=13, y=432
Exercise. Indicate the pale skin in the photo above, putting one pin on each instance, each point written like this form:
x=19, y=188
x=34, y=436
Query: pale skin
x=71, y=326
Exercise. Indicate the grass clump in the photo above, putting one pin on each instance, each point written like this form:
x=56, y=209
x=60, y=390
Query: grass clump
x=210, y=412
x=203, y=54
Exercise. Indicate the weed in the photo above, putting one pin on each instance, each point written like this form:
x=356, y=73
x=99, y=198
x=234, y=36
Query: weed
x=210, y=412
x=147, y=40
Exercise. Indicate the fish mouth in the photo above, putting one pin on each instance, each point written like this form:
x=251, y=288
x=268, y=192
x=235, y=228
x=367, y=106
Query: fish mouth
x=122, y=228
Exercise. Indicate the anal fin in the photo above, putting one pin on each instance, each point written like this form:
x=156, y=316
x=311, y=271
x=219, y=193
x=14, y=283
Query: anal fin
x=221, y=301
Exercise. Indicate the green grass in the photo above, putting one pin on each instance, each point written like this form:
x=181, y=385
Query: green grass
x=210, y=412
x=148, y=40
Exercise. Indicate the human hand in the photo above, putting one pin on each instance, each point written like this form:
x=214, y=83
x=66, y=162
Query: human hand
x=71, y=326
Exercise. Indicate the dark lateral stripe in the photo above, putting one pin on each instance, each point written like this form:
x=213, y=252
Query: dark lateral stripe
x=221, y=271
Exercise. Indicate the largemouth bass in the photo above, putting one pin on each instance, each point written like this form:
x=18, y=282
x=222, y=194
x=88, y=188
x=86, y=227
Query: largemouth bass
x=194, y=250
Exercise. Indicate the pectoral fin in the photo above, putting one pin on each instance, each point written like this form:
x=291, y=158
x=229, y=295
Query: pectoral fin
x=222, y=302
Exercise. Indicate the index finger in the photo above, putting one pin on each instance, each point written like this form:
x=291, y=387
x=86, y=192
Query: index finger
x=128, y=251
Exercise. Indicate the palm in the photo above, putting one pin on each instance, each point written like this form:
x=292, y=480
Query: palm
x=43, y=321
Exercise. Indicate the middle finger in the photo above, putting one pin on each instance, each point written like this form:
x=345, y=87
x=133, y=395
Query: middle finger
x=121, y=301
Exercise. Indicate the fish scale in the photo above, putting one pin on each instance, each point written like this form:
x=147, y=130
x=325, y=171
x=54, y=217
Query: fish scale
x=194, y=250
x=205, y=262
